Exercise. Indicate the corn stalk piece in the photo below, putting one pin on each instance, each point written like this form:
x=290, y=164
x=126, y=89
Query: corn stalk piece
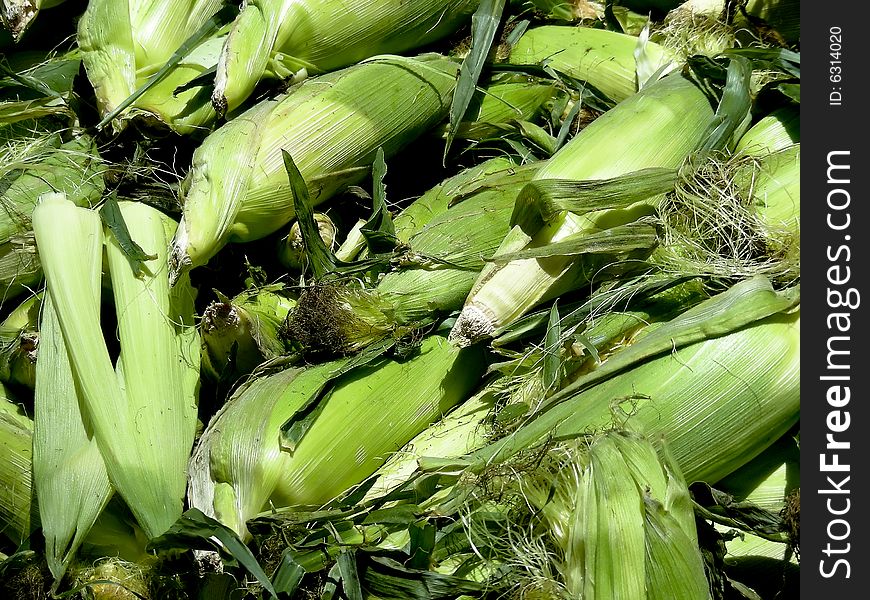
x=280, y=38
x=125, y=42
x=657, y=127
x=143, y=410
x=242, y=464
x=332, y=126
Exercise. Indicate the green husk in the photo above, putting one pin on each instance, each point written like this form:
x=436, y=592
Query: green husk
x=278, y=39
x=125, y=42
x=332, y=126
x=241, y=333
x=433, y=273
x=775, y=131
x=609, y=516
x=687, y=381
x=132, y=412
x=16, y=491
x=240, y=466
x=615, y=64
x=71, y=482
x=658, y=127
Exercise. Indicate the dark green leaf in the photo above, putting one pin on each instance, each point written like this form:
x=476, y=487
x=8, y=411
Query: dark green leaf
x=289, y=574
x=320, y=257
x=196, y=530
x=783, y=59
x=733, y=113
x=552, y=369
x=400, y=514
x=422, y=544
x=379, y=232
x=114, y=220
x=484, y=26
x=389, y=580
x=565, y=129
x=791, y=90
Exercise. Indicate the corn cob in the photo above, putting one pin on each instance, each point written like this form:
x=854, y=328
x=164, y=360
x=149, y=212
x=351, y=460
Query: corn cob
x=17, y=518
x=240, y=466
x=130, y=410
x=124, y=42
x=332, y=127
x=278, y=39
x=658, y=127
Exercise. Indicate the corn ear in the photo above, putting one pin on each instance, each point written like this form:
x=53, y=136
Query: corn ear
x=240, y=467
x=658, y=127
x=291, y=249
x=615, y=493
x=615, y=64
x=332, y=126
x=19, y=340
x=124, y=42
x=239, y=334
x=17, y=518
x=435, y=272
x=715, y=410
x=435, y=201
x=278, y=39
x=133, y=411
x=499, y=106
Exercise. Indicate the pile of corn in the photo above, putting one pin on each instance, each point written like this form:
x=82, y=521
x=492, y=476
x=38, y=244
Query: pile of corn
x=399, y=299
